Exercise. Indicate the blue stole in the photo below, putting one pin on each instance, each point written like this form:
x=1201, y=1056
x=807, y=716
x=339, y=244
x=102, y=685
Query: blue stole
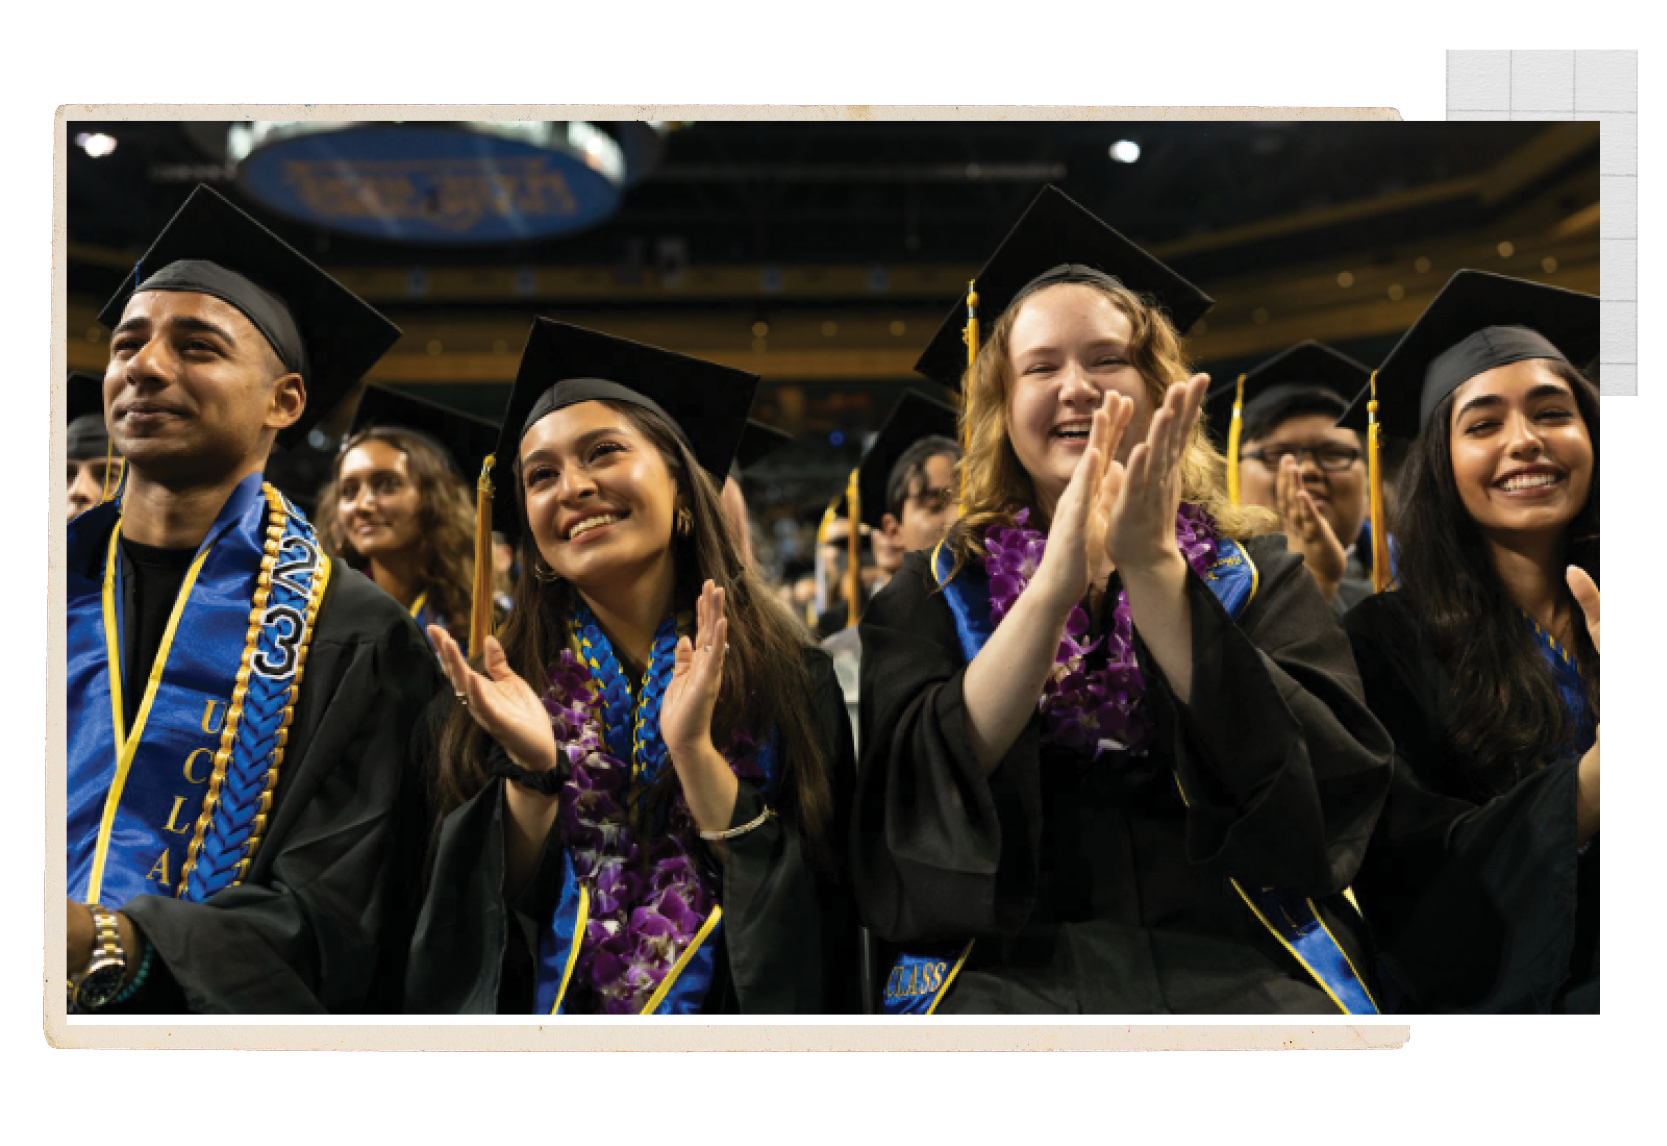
x=918, y=984
x=632, y=733
x=1565, y=673
x=178, y=804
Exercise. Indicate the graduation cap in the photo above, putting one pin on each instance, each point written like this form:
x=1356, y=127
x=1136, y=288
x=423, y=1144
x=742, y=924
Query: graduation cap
x=914, y=417
x=86, y=436
x=562, y=365
x=758, y=441
x=1056, y=241
x=318, y=328
x=1478, y=322
x=1307, y=368
x=464, y=438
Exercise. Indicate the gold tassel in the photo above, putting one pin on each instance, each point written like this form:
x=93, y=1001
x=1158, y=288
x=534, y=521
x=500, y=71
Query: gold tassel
x=970, y=337
x=1374, y=477
x=480, y=612
x=853, y=576
x=1234, y=432
x=107, y=491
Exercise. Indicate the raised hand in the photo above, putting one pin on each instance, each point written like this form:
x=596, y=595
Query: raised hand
x=1141, y=531
x=697, y=673
x=1062, y=578
x=1307, y=532
x=1119, y=410
x=500, y=702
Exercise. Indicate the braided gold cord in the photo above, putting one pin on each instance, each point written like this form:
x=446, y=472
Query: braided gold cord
x=234, y=711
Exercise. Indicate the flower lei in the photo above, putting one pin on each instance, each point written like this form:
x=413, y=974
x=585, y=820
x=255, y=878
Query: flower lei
x=1101, y=710
x=647, y=901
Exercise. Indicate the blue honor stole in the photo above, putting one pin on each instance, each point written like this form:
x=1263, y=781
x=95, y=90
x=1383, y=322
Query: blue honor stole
x=178, y=804
x=631, y=729
x=918, y=984
x=1565, y=673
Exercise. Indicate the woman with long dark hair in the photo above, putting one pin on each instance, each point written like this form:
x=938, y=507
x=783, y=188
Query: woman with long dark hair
x=639, y=779
x=1483, y=664
x=397, y=507
x=1115, y=757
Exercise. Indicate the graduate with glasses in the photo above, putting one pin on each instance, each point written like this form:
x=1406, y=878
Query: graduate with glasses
x=1115, y=756
x=642, y=780
x=239, y=776
x=1482, y=881
x=1286, y=453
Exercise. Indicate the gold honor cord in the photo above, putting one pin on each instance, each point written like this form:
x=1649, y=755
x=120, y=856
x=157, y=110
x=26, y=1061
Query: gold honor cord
x=417, y=605
x=1234, y=433
x=583, y=921
x=970, y=337
x=853, y=575
x=277, y=519
x=127, y=744
x=480, y=611
x=1374, y=477
x=107, y=491
x=677, y=968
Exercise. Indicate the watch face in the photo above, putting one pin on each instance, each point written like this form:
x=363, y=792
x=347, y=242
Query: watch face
x=100, y=985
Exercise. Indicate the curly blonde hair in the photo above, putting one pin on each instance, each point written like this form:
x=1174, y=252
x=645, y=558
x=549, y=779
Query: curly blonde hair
x=446, y=520
x=997, y=486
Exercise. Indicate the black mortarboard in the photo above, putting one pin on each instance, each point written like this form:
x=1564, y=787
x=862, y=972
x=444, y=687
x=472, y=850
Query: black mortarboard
x=1057, y=240
x=318, y=328
x=914, y=417
x=758, y=441
x=84, y=405
x=1479, y=321
x=1305, y=367
x=462, y=437
x=563, y=365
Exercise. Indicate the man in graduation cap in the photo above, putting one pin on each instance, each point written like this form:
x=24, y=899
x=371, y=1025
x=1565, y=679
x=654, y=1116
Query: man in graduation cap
x=239, y=704
x=86, y=445
x=1286, y=453
x=907, y=497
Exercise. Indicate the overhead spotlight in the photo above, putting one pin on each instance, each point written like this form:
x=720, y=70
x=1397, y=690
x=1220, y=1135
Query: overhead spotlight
x=96, y=144
x=1125, y=151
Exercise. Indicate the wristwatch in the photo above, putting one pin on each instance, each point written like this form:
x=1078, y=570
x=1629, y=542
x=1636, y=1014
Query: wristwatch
x=102, y=980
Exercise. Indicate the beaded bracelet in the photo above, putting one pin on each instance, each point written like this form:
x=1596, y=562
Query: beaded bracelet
x=731, y=833
x=132, y=988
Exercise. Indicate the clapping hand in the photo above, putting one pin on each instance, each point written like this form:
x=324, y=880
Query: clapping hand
x=1307, y=532
x=500, y=702
x=1140, y=533
x=697, y=674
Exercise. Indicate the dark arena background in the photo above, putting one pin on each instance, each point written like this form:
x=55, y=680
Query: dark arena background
x=821, y=255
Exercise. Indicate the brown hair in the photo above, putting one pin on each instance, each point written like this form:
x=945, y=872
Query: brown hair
x=766, y=682
x=997, y=484
x=446, y=522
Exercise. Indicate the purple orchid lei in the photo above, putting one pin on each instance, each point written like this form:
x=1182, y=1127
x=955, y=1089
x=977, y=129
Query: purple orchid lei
x=647, y=901
x=1094, y=711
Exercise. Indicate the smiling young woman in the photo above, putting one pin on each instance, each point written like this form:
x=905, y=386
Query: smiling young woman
x=640, y=792
x=1482, y=881
x=1115, y=758
x=399, y=505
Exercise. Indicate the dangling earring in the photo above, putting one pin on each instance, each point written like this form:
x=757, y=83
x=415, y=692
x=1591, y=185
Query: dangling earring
x=543, y=572
x=685, y=522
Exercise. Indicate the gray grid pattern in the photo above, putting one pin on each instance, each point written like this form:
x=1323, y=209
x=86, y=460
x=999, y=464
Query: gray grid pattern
x=1583, y=85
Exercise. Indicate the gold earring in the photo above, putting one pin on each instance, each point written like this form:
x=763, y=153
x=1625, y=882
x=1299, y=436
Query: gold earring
x=685, y=522
x=543, y=572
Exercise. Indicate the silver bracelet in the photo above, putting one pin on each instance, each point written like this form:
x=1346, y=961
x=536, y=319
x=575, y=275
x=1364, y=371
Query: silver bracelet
x=731, y=833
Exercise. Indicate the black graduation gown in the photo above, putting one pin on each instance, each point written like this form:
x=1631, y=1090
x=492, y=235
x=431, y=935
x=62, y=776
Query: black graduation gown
x=1356, y=584
x=1093, y=888
x=1479, y=897
x=788, y=941
x=322, y=922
